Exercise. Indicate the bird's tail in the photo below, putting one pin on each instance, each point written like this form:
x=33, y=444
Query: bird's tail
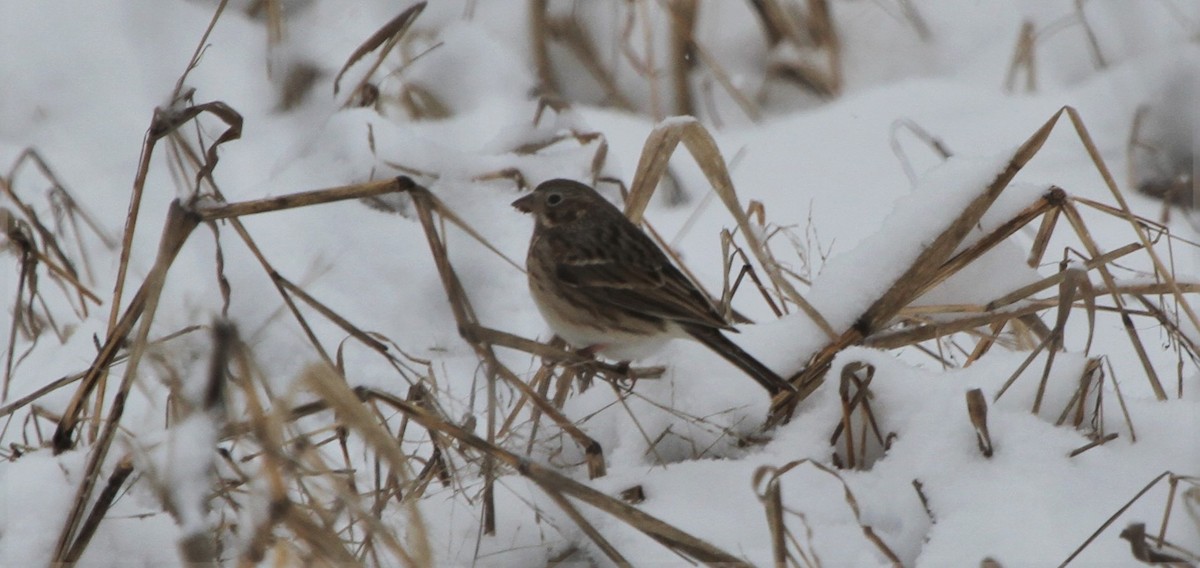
x=715, y=340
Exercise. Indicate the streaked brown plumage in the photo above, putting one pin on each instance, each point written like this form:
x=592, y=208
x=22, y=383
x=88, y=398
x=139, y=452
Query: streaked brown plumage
x=604, y=286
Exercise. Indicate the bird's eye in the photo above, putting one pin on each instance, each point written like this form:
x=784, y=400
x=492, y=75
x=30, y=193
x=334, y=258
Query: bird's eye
x=553, y=199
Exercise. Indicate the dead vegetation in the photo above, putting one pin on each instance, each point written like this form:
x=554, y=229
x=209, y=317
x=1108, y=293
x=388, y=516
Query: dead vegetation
x=337, y=480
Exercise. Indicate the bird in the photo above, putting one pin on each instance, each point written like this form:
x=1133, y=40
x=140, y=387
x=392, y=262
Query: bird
x=606, y=288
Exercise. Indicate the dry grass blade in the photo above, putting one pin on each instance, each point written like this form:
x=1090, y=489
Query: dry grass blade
x=36, y=244
x=935, y=144
x=1023, y=57
x=483, y=339
x=917, y=280
x=804, y=75
x=593, y=452
x=928, y=264
x=178, y=227
x=681, y=48
x=1097, y=442
x=332, y=388
x=824, y=34
x=575, y=38
x=985, y=343
x=98, y=373
x=656, y=152
x=772, y=499
x=449, y=215
x=926, y=331
x=213, y=212
x=538, y=28
x=27, y=266
x=1135, y=533
x=325, y=544
x=59, y=190
x=1126, y=213
x=335, y=480
x=849, y=380
x=167, y=121
x=184, y=222
x=775, y=20
x=1115, y=516
x=464, y=315
x=1183, y=341
x=977, y=411
x=362, y=336
x=267, y=430
x=17, y=234
x=1066, y=297
x=231, y=212
x=1042, y=239
x=1125, y=410
x=748, y=106
x=772, y=475
x=200, y=46
x=64, y=381
x=307, y=519
x=815, y=32
x=196, y=543
x=557, y=353
x=1046, y=205
x=1190, y=496
x=1029, y=359
x=104, y=502
x=1092, y=371
x=728, y=290
x=163, y=123
x=1057, y=278
x=1093, y=43
x=18, y=231
x=588, y=529
x=914, y=280
x=1076, y=221
x=386, y=37
x=664, y=533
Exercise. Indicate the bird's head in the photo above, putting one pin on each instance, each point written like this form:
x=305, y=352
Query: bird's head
x=561, y=201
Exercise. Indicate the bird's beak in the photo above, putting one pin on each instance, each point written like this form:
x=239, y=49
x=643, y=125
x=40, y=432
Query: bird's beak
x=524, y=204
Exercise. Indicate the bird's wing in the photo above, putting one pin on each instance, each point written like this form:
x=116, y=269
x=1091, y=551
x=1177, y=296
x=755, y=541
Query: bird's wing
x=637, y=276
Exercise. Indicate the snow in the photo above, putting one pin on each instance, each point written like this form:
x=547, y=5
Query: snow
x=82, y=82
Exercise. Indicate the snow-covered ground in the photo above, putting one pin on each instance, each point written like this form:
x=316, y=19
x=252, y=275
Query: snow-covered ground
x=857, y=196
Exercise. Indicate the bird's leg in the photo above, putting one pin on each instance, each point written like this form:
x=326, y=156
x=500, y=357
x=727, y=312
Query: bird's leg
x=622, y=376
x=620, y=371
x=594, y=366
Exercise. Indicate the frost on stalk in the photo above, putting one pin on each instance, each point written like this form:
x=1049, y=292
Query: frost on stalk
x=187, y=471
x=181, y=471
x=183, y=467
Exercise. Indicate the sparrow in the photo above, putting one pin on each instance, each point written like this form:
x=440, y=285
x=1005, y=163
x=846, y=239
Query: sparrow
x=605, y=287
